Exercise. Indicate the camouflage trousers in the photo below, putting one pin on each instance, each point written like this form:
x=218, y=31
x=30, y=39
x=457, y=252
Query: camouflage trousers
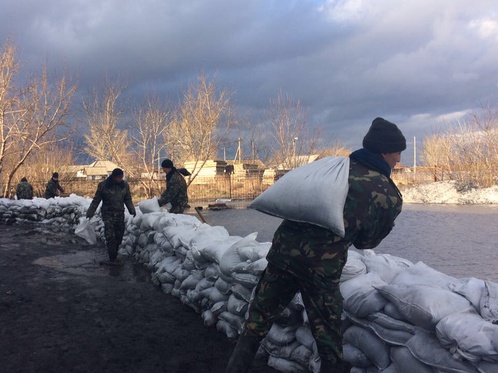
x=274, y=292
x=114, y=228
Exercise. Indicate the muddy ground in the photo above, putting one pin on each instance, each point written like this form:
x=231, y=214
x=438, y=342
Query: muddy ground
x=61, y=311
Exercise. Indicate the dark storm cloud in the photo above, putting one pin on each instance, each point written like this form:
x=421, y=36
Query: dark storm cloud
x=415, y=63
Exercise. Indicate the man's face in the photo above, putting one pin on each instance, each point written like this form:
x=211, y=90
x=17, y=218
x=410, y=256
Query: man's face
x=117, y=179
x=392, y=158
x=166, y=170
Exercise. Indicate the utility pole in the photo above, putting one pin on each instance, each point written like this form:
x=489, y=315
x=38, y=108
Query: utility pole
x=294, y=143
x=414, y=155
x=238, y=154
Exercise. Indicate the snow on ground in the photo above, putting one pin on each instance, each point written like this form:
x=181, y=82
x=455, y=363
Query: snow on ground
x=450, y=192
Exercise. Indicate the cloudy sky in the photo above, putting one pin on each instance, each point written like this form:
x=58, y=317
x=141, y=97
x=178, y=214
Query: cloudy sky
x=421, y=64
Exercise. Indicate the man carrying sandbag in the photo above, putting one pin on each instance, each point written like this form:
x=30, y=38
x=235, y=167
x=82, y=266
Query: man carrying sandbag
x=114, y=193
x=176, y=188
x=309, y=258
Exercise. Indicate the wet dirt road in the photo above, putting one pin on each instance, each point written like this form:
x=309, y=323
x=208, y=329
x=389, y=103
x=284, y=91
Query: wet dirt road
x=60, y=311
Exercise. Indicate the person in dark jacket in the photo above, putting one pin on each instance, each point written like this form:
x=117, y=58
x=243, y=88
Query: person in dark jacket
x=176, y=189
x=53, y=187
x=114, y=193
x=24, y=189
x=310, y=259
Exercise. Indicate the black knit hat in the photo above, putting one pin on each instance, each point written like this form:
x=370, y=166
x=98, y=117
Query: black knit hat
x=167, y=163
x=384, y=137
x=55, y=175
x=117, y=172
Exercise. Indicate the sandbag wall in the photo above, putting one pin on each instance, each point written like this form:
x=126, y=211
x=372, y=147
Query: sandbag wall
x=399, y=316
x=57, y=214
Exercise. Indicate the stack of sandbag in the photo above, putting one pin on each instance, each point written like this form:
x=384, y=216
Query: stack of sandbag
x=407, y=317
x=54, y=214
x=216, y=274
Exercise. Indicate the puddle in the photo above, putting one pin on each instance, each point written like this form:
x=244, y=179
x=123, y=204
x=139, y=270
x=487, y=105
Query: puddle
x=88, y=263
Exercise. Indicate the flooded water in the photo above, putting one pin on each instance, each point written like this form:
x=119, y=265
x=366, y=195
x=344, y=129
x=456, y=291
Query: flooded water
x=461, y=241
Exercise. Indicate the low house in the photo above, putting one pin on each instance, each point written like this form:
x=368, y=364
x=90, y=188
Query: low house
x=94, y=171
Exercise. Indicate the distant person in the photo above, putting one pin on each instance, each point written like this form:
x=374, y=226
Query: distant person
x=53, y=187
x=24, y=189
x=114, y=193
x=310, y=259
x=176, y=189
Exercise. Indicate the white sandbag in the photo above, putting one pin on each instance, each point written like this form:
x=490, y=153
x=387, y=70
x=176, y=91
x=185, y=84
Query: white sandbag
x=149, y=220
x=487, y=367
x=213, y=251
x=314, y=193
x=86, y=229
x=302, y=356
x=256, y=268
x=420, y=273
x=355, y=356
x=393, y=312
x=231, y=257
x=354, y=266
x=385, y=265
x=226, y=328
x=360, y=297
x=469, y=335
x=427, y=349
x=372, y=346
x=488, y=307
x=149, y=205
x=209, y=318
x=304, y=337
x=284, y=365
x=405, y=362
x=283, y=352
x=237, y=306
x=235, y=321
x=246, y=279
x=282, y=335
x=424, y=305
x=471, y=288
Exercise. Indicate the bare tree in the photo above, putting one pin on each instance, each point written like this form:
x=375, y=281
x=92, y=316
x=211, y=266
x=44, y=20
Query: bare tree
x=149, y=125
x=105, y=140
x=201, y=123
x=29, y=116
x=291, y=140
x=467, y=152
x=43, y=162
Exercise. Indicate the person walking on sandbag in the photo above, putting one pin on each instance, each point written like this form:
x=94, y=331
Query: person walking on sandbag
x=114, y=193
x=308, y=258
x=24, y=190
x=53, y=187
x=176, y=188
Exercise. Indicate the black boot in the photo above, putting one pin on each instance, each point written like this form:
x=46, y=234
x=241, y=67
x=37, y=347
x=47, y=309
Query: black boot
x=243, y=354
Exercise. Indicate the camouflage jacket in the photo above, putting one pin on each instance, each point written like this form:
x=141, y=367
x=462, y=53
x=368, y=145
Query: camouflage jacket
x=24, y=190
x=175, y=192
x=317, y=255
x=52, y=189
x=114, y=197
